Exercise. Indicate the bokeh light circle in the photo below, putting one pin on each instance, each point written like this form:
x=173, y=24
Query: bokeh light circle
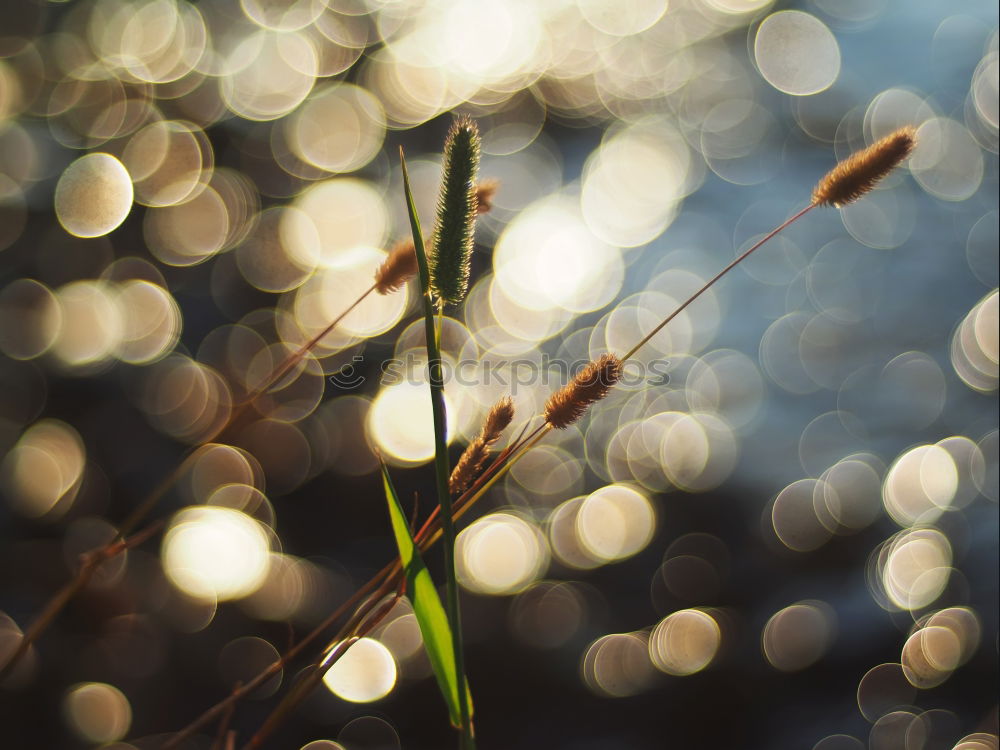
x=685, y=642
x=400, y=423
x=500, y=554
x=93, y=195
x=97, y=712
x=796, y=53
x=365, y=673
x=211, y=552
x=615, y=522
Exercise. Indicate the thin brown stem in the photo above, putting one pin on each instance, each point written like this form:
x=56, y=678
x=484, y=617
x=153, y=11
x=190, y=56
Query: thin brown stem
x=144, y=508
x=739, y=259
x=293, y=360
x=359, y=626
x=89, y=564
x=474, y=487
x=277, y=666
x=222, y=735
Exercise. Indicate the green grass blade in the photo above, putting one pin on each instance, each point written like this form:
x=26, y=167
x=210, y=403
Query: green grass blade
x=441, y=468
x=430, y=613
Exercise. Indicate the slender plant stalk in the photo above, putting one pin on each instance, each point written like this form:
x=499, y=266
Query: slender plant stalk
x=88, y=567
x=222, y=735
x=360, y=626
x=281, y=663
x=293, y=359
x=441, y=469
x=708, y=284
x=92, y=561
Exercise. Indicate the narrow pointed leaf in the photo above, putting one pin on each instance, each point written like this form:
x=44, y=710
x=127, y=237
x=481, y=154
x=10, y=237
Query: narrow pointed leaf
x=427, y=607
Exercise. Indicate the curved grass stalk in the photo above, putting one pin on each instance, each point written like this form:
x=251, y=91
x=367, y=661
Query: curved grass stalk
x=291, y=361
x=708, y=284
x=88, y=567
x=267, y=673
x=360, y=625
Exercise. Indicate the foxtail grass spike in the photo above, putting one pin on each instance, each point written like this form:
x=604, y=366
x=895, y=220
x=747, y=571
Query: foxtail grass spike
x=590, y=385
x=397, y=269
x=472, y=460
x=451, y=242
x=860, y=172
x=485, y=191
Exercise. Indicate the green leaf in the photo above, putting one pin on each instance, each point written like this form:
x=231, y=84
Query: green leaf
x=427, y=607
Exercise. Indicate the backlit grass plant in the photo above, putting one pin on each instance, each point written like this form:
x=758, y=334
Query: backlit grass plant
x=442, y=268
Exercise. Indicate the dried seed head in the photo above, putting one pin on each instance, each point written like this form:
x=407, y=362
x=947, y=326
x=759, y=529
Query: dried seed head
x=590, y=385
x=861, y=171
x=451, y=243
x=485, y=191
x=467, y=467
x=398, y=267
x=497, y=420
x=472, y=460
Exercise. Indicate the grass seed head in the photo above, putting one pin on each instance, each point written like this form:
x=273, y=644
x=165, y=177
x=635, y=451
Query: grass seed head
x=589, y=386
x=474, y=457
x=397, y=269
x=861, y=171
x=451, y=243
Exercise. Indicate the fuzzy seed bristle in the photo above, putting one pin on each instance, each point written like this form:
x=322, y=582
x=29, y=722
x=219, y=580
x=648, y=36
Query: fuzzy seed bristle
x=589, y=386
x=472, y=460
x=861, y=171
x=451, y=244
x=397, y=269
x=485, y=191
x=499, y=417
